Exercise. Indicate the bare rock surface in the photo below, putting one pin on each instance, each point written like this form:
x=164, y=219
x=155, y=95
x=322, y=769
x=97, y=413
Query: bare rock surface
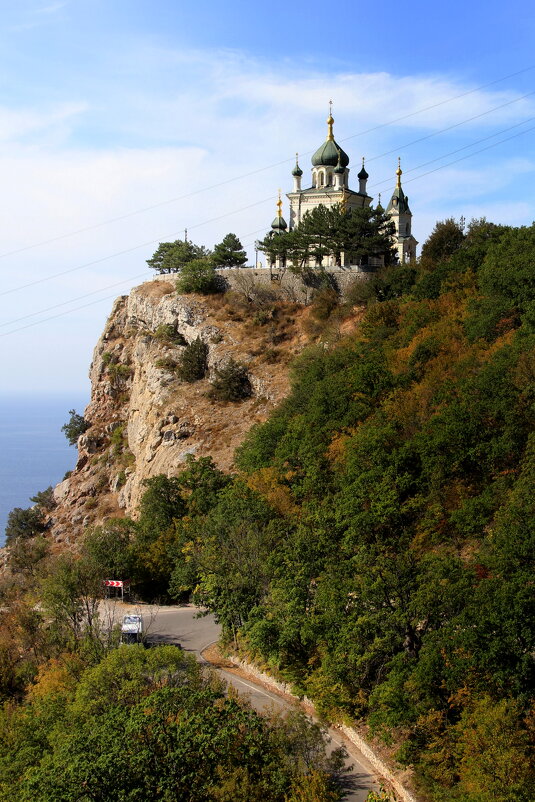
x=144, y=420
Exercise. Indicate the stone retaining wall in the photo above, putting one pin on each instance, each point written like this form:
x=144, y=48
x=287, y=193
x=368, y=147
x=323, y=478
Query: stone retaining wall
x=402, y=794
x=283, y=284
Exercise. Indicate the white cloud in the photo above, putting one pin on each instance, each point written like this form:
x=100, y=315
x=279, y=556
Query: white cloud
x=17, y=124
x=53, y=8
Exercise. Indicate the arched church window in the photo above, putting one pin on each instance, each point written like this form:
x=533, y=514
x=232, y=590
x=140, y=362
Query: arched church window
x=408, y=229
x=321, y=179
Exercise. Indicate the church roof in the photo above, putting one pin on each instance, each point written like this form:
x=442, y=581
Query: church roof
x=279, y=224
x=327, y=154
x=339, y=166
x=399, y=202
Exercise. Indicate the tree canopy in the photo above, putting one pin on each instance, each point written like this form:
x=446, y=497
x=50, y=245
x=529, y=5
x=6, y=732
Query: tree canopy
x=360, y=233
x=170, y=257
x=198, y=275
x=229, y=252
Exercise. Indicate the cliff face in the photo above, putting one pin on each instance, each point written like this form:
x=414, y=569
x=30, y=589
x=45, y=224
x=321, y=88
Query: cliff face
x=144, y=420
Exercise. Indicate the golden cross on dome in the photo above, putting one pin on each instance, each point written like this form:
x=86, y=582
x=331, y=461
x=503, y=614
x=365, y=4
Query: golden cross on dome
x=279, y=205
x=330, y=121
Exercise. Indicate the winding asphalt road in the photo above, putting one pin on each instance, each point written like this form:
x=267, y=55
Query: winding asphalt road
x=180, y=625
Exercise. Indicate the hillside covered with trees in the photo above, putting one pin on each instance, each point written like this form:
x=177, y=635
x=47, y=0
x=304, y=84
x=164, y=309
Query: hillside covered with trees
x=375, y=545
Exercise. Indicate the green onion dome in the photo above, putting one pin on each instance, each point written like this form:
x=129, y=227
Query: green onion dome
x=327, y=154
x=339, y=169
x=279, y=224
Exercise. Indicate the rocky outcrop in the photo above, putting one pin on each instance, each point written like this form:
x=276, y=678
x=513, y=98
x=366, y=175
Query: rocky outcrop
x=144, y=420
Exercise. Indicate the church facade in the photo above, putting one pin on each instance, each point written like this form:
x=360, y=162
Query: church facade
x=330, y=186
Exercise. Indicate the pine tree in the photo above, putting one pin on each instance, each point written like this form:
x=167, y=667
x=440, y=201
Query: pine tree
x=229, y=252
x=170, y=257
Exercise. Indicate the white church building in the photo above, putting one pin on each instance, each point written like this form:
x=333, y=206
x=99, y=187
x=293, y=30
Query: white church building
x=330, y=186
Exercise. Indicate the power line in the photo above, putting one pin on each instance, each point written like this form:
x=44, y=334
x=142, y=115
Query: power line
x=406, y=181
x=458, y=150
x=127, y=250
x=455, y=161
x=272, y=166
x=71, y=300
x=220, y=217
x=85, y=295
x=450, y=128
x=67, y=312
x=60, y=314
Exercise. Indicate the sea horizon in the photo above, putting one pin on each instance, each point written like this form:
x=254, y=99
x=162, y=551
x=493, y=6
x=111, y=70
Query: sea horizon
x=34, y=452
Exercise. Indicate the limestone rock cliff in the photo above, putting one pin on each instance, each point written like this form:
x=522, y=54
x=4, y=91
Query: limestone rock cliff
x=144, y=420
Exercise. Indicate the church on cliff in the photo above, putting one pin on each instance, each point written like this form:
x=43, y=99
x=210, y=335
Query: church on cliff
x=330, y=186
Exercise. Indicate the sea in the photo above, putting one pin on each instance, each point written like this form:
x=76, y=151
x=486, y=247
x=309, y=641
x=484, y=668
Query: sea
x=34, y=452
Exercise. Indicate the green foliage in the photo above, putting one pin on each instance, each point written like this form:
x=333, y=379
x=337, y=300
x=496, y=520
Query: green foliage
x=229, y=549
x=507, y=271
x=24, y=524
x=171, y=257
x=70, y=591
x=108, y=549
x=167, y=364
x=26, y=554
x=75, y=426
x=193, y=362
x=231, y=382
x=446, y=237
x=119, y=372
x=401, y=591
x=377, y=549
x=380, y=796
x=45, y=499
x=161, y=503
x=167, y=333
x=324, y=303
x=229, y=252
x=199, y=276
x=361, y=234
x=151, y=724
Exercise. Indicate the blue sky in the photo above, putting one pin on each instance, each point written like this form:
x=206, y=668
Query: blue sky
x=107, y=108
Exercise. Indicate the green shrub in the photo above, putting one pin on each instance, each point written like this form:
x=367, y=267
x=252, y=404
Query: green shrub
x=45, y=499
x=262, y=316
x=75, y=426
x=193, y=363
x=231, y=383
x=119, y=371
x=271, y=356
x=167, y=364
x=198, y=276
x=168, y=333
x=324, y=303
x=24, y=523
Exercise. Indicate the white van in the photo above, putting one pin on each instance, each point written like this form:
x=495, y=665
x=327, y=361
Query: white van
x=132, y=628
